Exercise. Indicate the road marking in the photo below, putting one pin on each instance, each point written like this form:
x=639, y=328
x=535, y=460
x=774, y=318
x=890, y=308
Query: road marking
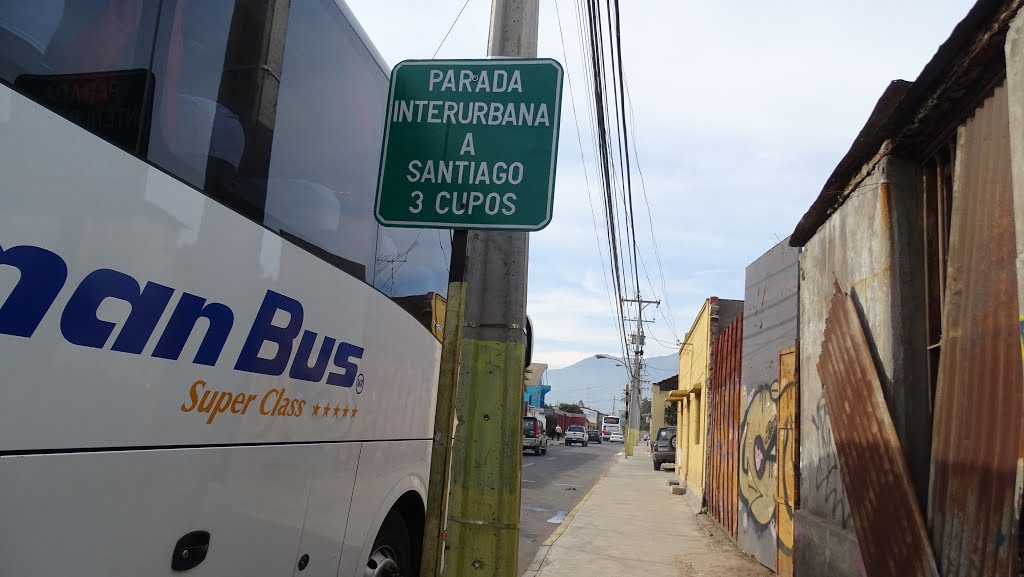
x=527, y=481
x=568, y=519
x=564, y=484
x=558, y=518
x=551, y=458
x=537, y=509
x=529, y=465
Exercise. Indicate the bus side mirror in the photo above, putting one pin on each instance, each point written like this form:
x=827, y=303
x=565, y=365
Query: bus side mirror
x=529, y=342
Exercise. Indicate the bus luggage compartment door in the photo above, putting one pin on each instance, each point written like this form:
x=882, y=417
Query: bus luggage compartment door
x=123, y=512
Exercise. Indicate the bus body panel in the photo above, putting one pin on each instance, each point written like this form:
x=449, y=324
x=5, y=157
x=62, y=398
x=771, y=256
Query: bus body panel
x=113, y=220
x=383, y=479
x=121, y=513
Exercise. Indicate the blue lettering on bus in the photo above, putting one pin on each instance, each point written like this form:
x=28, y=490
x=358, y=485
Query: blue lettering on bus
x=183, y=321
x=43, y=275
x=264, y=330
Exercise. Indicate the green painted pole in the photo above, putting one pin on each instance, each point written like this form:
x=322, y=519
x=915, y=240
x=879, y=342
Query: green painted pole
x=486, y=471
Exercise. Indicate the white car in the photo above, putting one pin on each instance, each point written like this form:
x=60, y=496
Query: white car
x=615, y=438
x=576, y=434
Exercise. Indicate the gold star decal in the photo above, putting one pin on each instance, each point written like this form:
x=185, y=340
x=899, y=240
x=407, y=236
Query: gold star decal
x=354, y=411
x=316, y=409
x=327, y=410
x=344, y=413
x=336, y=409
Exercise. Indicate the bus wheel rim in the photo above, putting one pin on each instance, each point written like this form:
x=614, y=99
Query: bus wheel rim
x=382, y=563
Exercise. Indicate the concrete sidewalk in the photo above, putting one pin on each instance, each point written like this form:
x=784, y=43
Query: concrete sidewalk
x=631, y=524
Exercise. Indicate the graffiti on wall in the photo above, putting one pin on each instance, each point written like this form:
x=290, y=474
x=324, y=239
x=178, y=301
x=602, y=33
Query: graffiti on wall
x=827, y=482
x=757, y=457
x=770, y=327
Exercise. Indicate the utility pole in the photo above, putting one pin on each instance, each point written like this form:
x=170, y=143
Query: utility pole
x=635, y=360
x=486, y=461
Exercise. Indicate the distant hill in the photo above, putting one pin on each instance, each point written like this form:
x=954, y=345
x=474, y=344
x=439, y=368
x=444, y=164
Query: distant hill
x=597, y=381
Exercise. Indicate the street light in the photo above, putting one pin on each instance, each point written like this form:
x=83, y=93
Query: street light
x=632, y=400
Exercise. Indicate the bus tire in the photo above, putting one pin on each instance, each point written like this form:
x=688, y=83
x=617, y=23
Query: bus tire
x=392, y=554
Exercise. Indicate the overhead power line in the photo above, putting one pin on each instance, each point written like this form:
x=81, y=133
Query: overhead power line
x=450, y=28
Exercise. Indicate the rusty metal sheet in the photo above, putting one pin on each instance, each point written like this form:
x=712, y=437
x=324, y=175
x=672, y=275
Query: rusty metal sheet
x=979, y=404
x=891, y=531
x=723, y=458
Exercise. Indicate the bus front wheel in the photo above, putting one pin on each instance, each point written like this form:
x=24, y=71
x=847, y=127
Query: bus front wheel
x=391, y=555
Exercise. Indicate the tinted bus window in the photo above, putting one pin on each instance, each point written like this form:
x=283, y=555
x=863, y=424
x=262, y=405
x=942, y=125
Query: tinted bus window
x=273, y=107
x=278, y=115
x=412, y=261
x=86, y=60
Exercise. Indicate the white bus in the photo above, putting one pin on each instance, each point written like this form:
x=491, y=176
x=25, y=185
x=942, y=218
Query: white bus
x=214, y=359
x=609, y=425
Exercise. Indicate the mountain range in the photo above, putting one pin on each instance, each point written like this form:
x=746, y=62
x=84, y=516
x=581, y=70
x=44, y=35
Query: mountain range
x=597, y=381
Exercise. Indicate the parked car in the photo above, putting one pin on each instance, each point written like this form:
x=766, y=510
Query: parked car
x=576, y=434
x=663, y=449
x=593, y=435
x=534, y=438
x=615, y=438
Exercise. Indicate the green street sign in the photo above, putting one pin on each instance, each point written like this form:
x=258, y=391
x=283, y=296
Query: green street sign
x=470, y=144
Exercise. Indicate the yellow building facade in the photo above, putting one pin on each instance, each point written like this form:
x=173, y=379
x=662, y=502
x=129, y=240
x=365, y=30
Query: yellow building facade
x=691, y=431
x=694, y=374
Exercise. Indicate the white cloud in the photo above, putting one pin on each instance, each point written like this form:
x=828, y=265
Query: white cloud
x=741, y=110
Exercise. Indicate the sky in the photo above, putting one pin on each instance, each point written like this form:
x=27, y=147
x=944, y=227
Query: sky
x=740, y=111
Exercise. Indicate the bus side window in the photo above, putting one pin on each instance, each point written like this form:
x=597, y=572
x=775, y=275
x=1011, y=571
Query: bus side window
x=26, y=30
x=196, y=135
x=275, y=109
x=86, y=60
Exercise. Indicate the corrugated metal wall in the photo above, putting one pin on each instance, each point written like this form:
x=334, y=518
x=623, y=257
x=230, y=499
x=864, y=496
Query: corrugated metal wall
x=723, y=464
x=979, y=403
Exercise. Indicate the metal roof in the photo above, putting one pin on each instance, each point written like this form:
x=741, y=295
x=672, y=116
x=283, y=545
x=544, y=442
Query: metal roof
x=669, y=384
x=533, y=374
x=908, y=113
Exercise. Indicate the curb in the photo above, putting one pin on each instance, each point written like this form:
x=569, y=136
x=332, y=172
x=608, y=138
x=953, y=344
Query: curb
x=572, y=514
x=542, y=553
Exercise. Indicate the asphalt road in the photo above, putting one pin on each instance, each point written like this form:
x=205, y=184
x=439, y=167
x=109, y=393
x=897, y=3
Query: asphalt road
x=552, y=485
